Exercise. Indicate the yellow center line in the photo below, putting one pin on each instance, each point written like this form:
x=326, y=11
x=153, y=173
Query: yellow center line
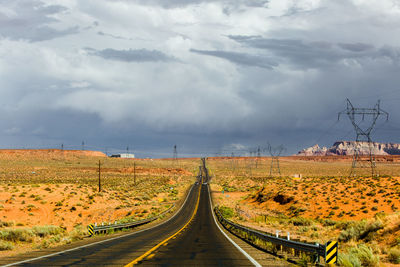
x=138, y=259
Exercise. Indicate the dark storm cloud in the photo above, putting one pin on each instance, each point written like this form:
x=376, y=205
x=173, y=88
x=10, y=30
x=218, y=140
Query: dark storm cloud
x=30, y=20
x=113, y=36
x=130, y=55
x=240, y=58
x=390, y=52
x=357, y=47
x=312, y=54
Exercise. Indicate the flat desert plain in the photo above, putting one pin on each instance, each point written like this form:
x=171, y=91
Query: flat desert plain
x=48, y=197
x=315, y=200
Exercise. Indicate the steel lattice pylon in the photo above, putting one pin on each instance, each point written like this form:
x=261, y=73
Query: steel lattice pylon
x=275, y=153
x=363, y=135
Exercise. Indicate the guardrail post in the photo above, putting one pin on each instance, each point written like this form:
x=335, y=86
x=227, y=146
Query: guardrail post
x=277, y=233
x=317, y=258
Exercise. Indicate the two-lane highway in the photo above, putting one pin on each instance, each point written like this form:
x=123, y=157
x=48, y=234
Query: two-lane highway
x=190, y=238
x=201, y=244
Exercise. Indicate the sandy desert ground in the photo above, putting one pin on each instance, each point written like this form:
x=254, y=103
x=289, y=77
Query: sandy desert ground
x=48, y=197
x=324, y=204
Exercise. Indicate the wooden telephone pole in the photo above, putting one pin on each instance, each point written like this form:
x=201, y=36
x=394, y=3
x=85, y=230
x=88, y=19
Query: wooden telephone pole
x=99, y=176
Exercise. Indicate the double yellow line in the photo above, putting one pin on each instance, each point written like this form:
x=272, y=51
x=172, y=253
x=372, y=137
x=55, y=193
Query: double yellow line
x=137, y=260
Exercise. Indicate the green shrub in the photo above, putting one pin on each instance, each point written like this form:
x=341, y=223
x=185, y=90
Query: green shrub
x=360, y=230
x=300, y=221
x=227, y=212
x=5, y=245
x=394, y=255
x=14, y=235
x=47, y=230
x=6, y=224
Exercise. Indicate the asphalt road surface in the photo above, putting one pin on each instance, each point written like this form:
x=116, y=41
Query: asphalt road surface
x=199, y=242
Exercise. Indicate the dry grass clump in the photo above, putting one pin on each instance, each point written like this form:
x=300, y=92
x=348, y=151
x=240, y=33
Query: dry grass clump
x=39, y=236
x=394, y=255
x=5, y=245
x=363, y=230
x=359, y=256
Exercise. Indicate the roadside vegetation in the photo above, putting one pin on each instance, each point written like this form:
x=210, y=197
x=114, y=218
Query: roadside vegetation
x=324, y=204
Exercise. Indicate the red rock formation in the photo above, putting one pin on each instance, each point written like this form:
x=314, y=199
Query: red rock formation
x=348, y=147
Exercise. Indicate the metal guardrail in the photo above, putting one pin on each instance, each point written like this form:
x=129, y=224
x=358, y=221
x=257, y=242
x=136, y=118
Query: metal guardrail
x=94, y=229
x=315, y=249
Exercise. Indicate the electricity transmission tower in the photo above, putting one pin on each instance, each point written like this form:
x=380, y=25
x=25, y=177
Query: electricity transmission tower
x=363, y=134
x=275, y=153
x=258, y=156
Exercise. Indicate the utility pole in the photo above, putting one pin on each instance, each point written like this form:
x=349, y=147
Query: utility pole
x=258, y=156
x=62, y=147
x=99, y=176
x=83, y=145
x=127, y=150
x=275, y=153
x=134, y=173
x=363, y=134
x=175, y=156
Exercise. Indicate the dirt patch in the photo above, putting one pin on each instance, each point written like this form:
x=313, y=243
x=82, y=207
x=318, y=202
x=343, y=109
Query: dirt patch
x=283, y=199
x=263, y=196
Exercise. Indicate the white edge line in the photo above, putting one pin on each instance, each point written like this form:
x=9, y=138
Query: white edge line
x=233, y=242
x=99, y=242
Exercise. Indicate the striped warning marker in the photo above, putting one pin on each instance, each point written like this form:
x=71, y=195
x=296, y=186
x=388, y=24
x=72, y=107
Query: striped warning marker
x=331, y=252
x=90, y=229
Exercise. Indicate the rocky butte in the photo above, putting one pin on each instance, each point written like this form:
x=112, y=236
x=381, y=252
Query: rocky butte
x=347, y=148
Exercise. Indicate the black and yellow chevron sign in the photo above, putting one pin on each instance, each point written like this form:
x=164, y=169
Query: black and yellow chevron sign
x=90, y=229
x=331, y=252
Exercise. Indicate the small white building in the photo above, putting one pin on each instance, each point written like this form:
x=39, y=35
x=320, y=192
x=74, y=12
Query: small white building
x=124, y=156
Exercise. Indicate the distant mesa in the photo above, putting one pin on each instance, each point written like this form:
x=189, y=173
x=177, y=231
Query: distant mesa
x=344, y=148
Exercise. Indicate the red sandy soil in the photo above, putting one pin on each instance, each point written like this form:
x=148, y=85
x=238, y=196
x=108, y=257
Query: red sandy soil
x=47, y=152
x=64, y=205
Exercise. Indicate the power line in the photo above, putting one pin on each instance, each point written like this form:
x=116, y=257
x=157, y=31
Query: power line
x=275, y=153
x=363, y=134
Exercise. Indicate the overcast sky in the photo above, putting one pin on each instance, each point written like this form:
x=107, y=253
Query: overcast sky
x=208, y=76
